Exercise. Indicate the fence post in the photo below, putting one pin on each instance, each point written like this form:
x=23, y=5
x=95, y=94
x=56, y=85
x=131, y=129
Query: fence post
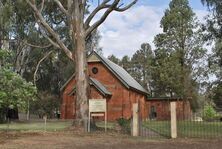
x=135, y=131
x=173, y=120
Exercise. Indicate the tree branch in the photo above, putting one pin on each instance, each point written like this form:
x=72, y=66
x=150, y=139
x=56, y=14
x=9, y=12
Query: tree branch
x=119, y=9
x=95, y=11
x=37, y=46
x=102, y=19
x=84, y=3
x=50, y=30
x=47, y=37
x=61, y=7
x=112, y=7
x=37, y=67
x=42, y=5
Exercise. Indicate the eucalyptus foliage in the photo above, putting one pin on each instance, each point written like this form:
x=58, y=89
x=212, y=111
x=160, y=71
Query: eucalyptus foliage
x=214, y=34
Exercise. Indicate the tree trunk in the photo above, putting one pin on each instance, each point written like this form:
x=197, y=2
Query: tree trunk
x=0, y=37
x=81, y=83
x=81, y=71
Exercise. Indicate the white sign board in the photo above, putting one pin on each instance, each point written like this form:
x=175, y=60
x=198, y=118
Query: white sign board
x=97, y=105
x=98, y=108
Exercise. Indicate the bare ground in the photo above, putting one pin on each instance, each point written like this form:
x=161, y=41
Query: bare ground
x=75, y=140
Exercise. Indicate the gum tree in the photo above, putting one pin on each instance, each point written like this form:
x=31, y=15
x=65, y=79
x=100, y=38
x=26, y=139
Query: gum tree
x=80, y=28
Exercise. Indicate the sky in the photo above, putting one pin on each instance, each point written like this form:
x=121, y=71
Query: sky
x=123, y=33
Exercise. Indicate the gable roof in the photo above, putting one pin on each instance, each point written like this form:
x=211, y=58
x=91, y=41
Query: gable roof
x=66, y=83
x=127, y=80
x=120, y=73
x=99, y=86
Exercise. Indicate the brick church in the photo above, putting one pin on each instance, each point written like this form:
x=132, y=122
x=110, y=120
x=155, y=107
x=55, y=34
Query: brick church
x=112, y=83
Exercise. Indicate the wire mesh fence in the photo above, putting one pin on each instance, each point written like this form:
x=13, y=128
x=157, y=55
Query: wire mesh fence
x=199, y=129
x=155, y=129
x=203, y=124
x=194, y=125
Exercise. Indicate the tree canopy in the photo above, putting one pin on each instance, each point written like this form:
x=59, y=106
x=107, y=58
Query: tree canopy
x=180, y=50
x=15, y=91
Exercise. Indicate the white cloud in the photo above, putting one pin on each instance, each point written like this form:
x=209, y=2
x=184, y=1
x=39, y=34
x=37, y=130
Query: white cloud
x=201, y=14
x=123, y=33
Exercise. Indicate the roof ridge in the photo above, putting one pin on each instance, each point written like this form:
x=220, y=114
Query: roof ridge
x=99, y=86
x=121, y=74
x=118, y=71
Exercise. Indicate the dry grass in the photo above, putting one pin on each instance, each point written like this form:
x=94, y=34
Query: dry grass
x=36, y=126
x=75, y=140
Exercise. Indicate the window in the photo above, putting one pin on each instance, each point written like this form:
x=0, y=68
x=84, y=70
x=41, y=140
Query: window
x=153, y=113
x=94, y=70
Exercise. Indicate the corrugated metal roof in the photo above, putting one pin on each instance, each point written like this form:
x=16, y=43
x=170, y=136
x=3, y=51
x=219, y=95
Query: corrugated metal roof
x=119, y=72
x=66, y=83
x=122, y=74
x=100, y=86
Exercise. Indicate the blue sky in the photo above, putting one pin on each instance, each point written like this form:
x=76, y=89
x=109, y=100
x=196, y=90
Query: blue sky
x=123, y=33
x=195, y=4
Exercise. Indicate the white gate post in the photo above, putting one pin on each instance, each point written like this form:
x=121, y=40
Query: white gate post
x=173, y=120
x=135, y=131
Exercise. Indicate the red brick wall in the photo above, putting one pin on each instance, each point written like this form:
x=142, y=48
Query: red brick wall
x=95, y=94
x=118, y=105
x=67, y=107
x=183, y=110
x=163, y=109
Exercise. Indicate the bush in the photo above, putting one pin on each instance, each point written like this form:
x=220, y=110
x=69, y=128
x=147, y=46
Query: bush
x=125, y=124
x=2, y=115
x=209, y=113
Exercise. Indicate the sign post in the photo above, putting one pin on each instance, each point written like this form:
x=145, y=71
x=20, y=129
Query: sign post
x=97, y=107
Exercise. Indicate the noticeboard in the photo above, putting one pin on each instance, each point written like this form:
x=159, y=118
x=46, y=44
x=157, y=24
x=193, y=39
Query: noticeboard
x=98, y=108
x=97, y=105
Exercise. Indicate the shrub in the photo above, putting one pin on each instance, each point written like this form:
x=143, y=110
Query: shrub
x=209, y=113
x=125, y=124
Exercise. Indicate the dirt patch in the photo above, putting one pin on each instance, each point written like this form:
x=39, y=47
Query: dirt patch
x=12, y=135
x=71, y=139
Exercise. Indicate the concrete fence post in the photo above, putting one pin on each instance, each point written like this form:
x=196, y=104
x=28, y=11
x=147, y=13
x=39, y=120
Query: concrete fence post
x=173, y=120
x=135, y=125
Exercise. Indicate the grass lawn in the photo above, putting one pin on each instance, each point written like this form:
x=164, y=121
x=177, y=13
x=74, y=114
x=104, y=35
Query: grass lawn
x=109, y=125
x=36, y=126
x=187, y=128
x=160, y=127
x=199, y=129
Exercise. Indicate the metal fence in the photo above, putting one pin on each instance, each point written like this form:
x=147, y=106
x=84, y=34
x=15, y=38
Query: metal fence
x=199, y=125
x=199, y=129
x=194, y=126
x=155, y=129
